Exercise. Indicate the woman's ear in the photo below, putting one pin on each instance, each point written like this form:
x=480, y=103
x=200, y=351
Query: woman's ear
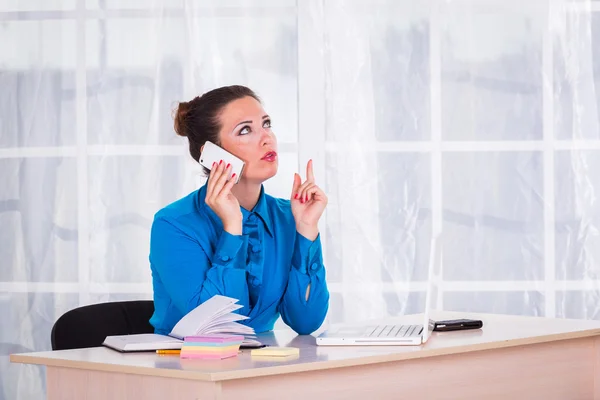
x=201, y=149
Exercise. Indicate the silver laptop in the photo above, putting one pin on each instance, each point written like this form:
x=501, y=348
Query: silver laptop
x=392, y=334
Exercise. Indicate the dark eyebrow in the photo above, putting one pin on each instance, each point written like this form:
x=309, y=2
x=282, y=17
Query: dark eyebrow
x=243, y=122
x=249, y=122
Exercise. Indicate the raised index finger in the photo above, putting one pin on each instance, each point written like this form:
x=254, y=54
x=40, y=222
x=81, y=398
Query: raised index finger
x=310, y=176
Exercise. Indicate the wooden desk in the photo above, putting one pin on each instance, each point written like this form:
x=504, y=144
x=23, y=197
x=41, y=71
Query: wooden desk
x=510, y=358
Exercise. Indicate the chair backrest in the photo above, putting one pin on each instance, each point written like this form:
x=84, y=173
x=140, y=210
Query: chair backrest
x=88, y=326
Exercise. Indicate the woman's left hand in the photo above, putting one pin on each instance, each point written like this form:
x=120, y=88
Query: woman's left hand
x=308, y=203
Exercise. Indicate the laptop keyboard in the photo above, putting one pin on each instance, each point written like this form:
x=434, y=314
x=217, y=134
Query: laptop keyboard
x=395, y=331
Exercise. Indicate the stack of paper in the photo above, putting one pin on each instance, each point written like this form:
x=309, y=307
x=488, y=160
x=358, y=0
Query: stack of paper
x=215, y=316
x=211, y=346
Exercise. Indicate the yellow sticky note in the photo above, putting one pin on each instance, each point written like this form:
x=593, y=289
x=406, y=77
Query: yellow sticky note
x=275, y=351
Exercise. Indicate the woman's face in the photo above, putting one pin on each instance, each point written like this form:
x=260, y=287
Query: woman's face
x=246, y=133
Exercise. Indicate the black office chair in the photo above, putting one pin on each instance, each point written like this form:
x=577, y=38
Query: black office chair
x=88, y=326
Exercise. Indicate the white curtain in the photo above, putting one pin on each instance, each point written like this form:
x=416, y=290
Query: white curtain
x=476, y=118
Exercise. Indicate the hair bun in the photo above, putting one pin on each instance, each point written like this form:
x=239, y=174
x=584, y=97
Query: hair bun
x=179, y=120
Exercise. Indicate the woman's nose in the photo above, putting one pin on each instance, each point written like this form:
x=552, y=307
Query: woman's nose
x=267, y=138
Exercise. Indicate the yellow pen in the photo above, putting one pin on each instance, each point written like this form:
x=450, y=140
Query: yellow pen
x=168, y=351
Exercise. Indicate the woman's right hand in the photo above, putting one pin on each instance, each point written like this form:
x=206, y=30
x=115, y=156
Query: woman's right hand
x=220, y=199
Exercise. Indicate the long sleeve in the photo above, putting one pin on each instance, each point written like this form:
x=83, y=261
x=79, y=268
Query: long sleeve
x=306, y=316
x=188, y=274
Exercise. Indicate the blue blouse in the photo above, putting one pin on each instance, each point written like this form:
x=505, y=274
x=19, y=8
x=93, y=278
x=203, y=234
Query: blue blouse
x=267, y=268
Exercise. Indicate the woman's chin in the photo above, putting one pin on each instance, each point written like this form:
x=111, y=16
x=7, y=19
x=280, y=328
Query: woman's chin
x=268, y=176
x=261, y=176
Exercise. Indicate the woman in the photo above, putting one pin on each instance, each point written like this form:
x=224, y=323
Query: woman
x=234, y=239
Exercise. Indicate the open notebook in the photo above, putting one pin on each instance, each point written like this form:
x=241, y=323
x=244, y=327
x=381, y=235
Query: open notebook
x=214, y=316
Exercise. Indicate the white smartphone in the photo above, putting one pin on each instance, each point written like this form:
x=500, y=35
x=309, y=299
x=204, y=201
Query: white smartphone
x=211, y=153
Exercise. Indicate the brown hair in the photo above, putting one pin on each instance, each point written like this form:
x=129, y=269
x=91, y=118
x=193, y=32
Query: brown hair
x=198, y=119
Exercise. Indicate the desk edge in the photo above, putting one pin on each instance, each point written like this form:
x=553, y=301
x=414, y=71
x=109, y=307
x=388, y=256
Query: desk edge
x=119, y=368
x=24, y=358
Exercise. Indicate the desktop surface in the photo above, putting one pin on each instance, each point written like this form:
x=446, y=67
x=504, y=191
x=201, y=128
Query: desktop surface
x=499, y=331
